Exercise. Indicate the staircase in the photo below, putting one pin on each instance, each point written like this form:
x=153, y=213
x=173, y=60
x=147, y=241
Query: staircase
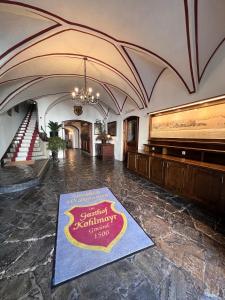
x=26, y=143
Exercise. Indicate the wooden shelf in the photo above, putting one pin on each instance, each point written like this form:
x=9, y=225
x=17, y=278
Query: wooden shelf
x=202, y=182
x=185, y=148
x=201, y=151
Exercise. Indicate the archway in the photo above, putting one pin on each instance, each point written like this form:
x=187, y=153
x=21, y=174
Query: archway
x=82, y=134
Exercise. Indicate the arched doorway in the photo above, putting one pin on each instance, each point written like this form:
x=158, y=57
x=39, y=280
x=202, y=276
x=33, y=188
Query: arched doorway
x=82, y=134
x=130, y=135
x=72, y=136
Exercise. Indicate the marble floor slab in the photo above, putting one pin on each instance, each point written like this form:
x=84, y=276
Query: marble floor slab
x=187, y=262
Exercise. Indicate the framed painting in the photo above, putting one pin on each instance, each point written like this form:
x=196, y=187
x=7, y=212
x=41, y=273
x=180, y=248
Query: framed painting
x=112, y=128
x=97, y=128
x=202, y=121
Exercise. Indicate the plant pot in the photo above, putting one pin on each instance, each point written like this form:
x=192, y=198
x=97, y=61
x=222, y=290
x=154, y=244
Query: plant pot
x=55, y=155
x=53, y=133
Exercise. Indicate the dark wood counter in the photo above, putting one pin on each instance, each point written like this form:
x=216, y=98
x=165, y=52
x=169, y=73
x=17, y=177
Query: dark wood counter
x=201, y=181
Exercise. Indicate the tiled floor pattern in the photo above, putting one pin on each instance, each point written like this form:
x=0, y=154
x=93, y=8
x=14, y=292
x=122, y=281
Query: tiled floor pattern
x=188, y=261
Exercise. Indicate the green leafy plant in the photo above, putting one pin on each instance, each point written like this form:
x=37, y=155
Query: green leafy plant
x=56, y=143
x=54, y=128
x=104, y=137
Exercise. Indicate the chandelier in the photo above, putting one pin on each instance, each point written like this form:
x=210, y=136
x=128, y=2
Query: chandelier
x=85, y=95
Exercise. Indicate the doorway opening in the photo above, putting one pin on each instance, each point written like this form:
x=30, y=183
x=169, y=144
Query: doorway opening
x=78, y=135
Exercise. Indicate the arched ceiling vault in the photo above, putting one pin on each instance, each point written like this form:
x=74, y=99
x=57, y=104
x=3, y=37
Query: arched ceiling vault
x=128, y=44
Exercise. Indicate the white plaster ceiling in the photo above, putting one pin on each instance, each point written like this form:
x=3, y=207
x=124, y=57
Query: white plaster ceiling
x=128, y=44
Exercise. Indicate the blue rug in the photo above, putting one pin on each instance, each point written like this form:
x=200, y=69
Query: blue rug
x=93, y=230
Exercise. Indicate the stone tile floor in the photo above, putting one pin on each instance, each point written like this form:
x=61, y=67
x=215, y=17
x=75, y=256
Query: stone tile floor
x=14, y=178
x=188, y=261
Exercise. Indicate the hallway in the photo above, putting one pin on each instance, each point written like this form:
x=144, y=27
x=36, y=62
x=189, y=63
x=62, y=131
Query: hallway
x=187, y=262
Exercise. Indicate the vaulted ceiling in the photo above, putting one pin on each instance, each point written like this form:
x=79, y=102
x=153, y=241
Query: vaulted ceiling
x=129, y=44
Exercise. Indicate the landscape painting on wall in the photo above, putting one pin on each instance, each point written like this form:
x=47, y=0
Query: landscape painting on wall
x=201, y=122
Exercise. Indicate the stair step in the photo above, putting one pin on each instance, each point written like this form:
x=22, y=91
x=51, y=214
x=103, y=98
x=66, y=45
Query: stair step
x=36, y=148
x=22, y=154
x=6, y=160
x=29, y=130
x=28, y=135
x=25, y=134
x=22, y=158
x=38, y=153
x=22, y=148
x=12, y=148
x=38, y=157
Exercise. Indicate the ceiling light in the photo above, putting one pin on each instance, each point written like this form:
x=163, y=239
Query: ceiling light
x=85, y=95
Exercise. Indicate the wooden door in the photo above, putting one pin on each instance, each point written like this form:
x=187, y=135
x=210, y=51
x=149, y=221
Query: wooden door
x=131, y=161
x=157, y=170
x=86, y=136
x=130, y=135
x=174, y=176
x=207, y=187
x=143, y=165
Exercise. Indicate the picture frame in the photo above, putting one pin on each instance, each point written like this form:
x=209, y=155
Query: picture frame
x=200, y=121
x=97, y=128
x=112, y=128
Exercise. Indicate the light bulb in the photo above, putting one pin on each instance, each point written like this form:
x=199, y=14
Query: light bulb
x=97, y=95
x=76, y=89
x=90, y=90
x=73, y=94
x=81, y=97
x=92, y=97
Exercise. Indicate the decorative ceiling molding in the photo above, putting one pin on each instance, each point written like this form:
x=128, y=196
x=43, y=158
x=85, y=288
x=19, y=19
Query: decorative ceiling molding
x=170, y=66
x=147, y=70
x=117, y=43
x=125, y=94
x=97, y=107
x=18, y=90
x=200, y=74
x=157, y=79
x=79, y=56
x=39, y=78
x=28, y=39
x=189, y=43
x=123, y=103
x=145, y=95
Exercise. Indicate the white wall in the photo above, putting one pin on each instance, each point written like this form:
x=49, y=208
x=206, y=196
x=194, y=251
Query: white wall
x=118, y=139
x=9, y=126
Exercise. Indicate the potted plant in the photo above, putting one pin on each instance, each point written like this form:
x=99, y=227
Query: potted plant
x=54, y=128
x=103, y=137
x=56, y=143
